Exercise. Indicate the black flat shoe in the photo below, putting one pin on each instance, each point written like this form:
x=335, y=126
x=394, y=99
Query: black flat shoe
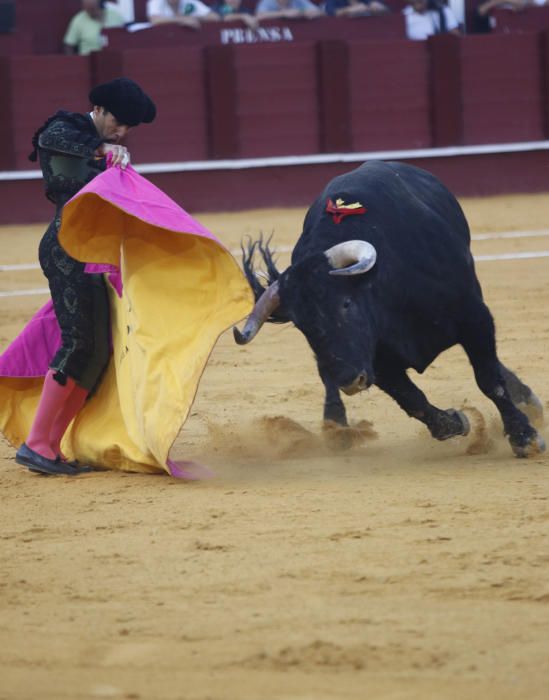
x=36, y=463
x=75, y=464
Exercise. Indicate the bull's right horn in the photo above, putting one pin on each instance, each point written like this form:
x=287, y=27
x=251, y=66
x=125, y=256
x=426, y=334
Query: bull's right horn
x=351, y=257
x=264, y=307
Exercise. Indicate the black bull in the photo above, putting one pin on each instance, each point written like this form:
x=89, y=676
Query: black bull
x=382, y=279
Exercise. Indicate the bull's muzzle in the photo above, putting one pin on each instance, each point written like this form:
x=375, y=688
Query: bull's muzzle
x=359, y=384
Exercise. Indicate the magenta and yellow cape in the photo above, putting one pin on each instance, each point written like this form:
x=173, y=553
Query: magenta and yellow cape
x=175, y=289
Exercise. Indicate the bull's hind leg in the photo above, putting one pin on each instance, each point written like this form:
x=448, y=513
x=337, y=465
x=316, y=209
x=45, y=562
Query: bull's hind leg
x=522, y=396
x=479, y=342
x=442, y=424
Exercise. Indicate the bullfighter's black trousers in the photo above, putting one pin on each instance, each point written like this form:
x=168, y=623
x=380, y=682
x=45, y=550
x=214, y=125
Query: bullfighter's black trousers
x=81, y=305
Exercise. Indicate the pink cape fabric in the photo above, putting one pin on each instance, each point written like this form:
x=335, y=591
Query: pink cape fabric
x=30, y=353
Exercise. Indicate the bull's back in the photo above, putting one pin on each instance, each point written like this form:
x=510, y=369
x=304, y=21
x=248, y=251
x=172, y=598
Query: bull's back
x=406, y=207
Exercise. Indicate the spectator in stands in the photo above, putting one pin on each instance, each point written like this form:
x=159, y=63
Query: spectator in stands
x=125, y=9
x=186, y=13
x=287, y=9
x=427, y=17
x=230, y=10
x=484, y=23
x=84, y=33
x=355, y=8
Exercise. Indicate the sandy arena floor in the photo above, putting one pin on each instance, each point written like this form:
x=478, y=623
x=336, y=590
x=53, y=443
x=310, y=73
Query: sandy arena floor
x=405, y=568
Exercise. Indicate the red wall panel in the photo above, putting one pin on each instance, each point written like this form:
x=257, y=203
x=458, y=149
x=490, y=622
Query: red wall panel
x=501, y=81
x=487, y=89
x=389, y=95
x=34, y=96
x=47, y=20
x=481, y=175
x=263, y=100
x=276, y=101
x=17, y=43
x=174, y=78
x=529, y=19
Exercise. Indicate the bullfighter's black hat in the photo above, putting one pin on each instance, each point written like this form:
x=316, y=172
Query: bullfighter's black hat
x=124, y=99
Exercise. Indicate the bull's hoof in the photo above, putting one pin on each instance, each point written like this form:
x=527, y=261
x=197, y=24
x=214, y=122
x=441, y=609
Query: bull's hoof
x=451, y=423
x=535, y=445
x=340, y=438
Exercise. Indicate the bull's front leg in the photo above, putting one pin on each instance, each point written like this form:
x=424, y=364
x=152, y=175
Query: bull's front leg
x=334, y=409
x=442, y=424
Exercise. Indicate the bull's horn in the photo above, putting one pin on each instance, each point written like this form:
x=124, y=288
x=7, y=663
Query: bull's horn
x=351, y=257
x=263, y=308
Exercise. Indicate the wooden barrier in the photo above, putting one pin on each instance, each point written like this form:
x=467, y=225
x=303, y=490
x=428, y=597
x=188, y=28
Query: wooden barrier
x=270, y=32
x=36, y=87
x=374, y=95
x=46, y=20
x=487, y=89
x=389, y=95
x=16, y=44
x=224, y=189
x=263, y=100
x=531, y=19
x=300, y=98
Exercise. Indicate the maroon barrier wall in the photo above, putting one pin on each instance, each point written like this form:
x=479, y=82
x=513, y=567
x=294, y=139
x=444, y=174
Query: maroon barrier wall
x=263, y=100
x=487, y=89
x=389, y=95
x=374, y=95
x=271, y=32
x=298, y=98
x=42, y=25
x=233, y=190
x=544, y=45
x=175, y=78
x=12, y=44
x=531, y=19
x=46, y=20
x=30, y=98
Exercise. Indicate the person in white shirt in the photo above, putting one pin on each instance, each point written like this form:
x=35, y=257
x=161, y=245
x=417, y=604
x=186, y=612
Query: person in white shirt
x=186, y=13
x=85, y=31
x=425, y=18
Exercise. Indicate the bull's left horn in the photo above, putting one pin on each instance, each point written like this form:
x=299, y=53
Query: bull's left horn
x=264, y=307
x=351, y=257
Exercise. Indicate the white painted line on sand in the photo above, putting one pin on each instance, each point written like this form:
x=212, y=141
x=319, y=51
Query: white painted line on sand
x=19, y=267
x=24, y=292
x=513, y=256
x=478, y=258
x=510, y=234
x=22, y=267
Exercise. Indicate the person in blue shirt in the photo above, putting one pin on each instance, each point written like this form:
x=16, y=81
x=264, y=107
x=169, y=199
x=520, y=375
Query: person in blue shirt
x=230, y=10
x=287, y=9
x=355, y=8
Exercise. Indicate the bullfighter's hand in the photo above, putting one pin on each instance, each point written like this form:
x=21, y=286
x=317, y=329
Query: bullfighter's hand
x=120, y=154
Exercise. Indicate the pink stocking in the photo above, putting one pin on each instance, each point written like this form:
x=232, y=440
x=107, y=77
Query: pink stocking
x=52, y=401
x=70, y=410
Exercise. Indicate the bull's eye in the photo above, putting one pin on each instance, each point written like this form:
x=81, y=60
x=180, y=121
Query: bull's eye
x=346, y=303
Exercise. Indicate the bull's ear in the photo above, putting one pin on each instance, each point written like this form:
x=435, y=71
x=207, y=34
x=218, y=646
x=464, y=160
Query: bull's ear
x=351, y=258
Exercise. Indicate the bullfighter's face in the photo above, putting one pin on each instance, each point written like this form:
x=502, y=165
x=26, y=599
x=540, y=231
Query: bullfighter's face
x=108, y=127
